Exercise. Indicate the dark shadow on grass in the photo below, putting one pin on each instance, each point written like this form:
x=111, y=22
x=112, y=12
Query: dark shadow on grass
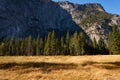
x=103, y=65
x=44, y=66
x=111, y=65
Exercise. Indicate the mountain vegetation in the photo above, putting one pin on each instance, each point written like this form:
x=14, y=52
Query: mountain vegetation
x=99, y=18
x=45, y=27
x=114, y=41
x=74, y=45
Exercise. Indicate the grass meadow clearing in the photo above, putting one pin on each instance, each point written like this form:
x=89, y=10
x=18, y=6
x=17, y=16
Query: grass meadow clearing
x=105, y=67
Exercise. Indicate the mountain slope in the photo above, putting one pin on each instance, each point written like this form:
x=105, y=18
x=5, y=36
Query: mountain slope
x=92, y=18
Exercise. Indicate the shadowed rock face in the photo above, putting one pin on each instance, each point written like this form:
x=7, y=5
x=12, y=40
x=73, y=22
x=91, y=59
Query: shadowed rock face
x=21, y=18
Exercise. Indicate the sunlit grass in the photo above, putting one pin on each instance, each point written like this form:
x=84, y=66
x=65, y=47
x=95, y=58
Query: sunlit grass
x=60, y=68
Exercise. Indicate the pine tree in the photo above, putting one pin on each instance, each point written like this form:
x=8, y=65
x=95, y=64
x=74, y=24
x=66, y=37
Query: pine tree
x=71, y=46
x=114, y=41
x=95, y=46
x=58, y=51
x=12, y=47
x=62, y=47
x=18, y=44
x=75, y=47
x=77, y=44
x=89, y=50
x=41, y=46
x=4, y=48
x=29, y=46
x=34, y=47
x=53, y=43
x=38, y=46
x=102, y=47
x=101, y=43
x=82, y=43
x=67, y=42
x=94, y=43
x=22, y=47
x=47, y=49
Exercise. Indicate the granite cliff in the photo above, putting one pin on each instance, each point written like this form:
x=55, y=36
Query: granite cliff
x=21, y=18
x=92, y=18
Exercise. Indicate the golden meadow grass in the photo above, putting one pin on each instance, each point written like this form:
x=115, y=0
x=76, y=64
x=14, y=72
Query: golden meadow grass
x=60, y=68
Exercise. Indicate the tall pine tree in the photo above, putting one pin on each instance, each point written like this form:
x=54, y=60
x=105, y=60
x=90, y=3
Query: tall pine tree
x=67, y=42
x=82, y=43
x=47, y=49
x=4, y=50
x=29, y=46
x=12, y=47
x=38, y=46
x=114, y=41
x=53, y=43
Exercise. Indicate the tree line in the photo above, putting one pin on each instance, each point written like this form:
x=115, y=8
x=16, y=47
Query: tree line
x=73, y=45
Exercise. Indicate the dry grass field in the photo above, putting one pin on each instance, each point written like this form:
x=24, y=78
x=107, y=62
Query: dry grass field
x=60, y=68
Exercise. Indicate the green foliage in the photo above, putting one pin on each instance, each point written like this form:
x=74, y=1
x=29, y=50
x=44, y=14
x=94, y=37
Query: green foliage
x=62, y=45
x=75, y=45
x=12, y=47
x=22, y=47
x=101, y=43
x=82, y=42
x=29, y=49
x=38, y=46
x=53, y=43
x=18, y=44
x=114, y=41
x=98, y=18
x=102, y=47
x=47, y=49
x=67, y=42
x=95, y=45
x=4, y=48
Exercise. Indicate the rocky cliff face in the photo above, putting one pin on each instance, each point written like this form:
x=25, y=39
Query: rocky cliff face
x=80, y=11
x=92, y=18
x=21, y=18
x=115, y=20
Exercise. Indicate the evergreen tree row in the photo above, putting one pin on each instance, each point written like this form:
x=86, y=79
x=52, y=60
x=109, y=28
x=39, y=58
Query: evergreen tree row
x=74, y=45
